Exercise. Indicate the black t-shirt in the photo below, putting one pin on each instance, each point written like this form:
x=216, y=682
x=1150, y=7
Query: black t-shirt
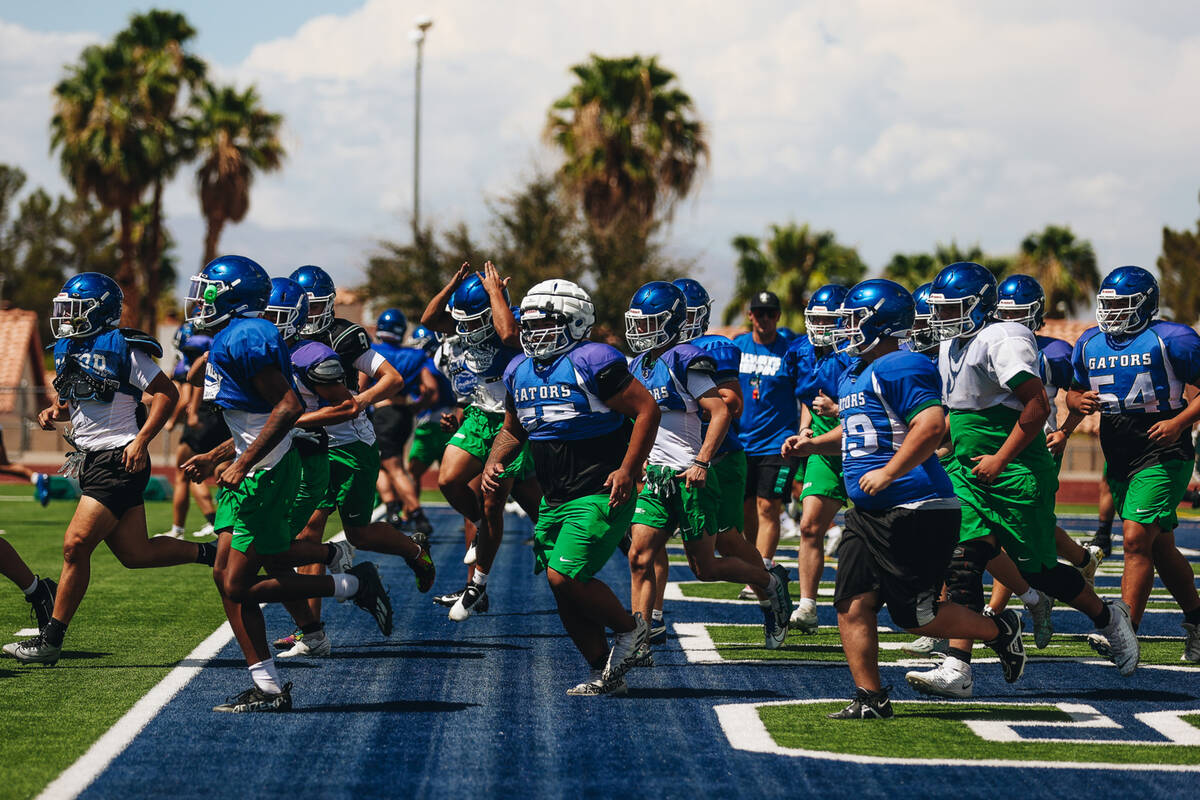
x=1128, y=449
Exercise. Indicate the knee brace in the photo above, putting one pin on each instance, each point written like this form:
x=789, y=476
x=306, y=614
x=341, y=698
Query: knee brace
x=1060, y=582
x=964, y=576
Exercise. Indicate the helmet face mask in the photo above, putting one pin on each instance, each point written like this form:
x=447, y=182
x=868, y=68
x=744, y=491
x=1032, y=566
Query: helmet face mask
x=201, y=302
x=320, y=314
x=950, y=317
x=820, y=326
x=849, y=336
x=88, y=303
x=553, y=317
x=647, y=331
x=544, y=333
x=1028, y=314
x=69, y=316
x=474, y=329
x=695, y=324
x=1118, y=313
x=921, y=337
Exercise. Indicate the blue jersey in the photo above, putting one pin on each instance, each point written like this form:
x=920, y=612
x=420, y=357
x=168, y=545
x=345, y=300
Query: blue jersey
x=676, y=379
x=768, y=374
x=728, y=361
x=876, y=403
x=94, y=367
x=444, y=399
x=819, y=370
x=486, y=363
x=313, y=365
x=1140, y=380
x=1056, y=372
x=575, y=439
x=408, y=361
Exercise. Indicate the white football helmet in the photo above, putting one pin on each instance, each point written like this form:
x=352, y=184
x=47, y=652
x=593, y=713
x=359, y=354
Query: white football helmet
x=555, y=315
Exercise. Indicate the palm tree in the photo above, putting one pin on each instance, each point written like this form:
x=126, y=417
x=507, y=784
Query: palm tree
x=914, y=269
x=1063, y=265
x=632, y=142
x=234, y=136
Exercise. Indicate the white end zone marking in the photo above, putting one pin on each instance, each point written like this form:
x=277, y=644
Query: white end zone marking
x=745, y=730
x=80, y=775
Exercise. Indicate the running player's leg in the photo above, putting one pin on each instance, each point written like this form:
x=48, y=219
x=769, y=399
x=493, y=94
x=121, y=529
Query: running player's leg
x=181, y=494
x=1176, y=573
x=644, y=544
x=817, y=515
x=402, y=482
x=1107, y=511
x=768, y=510
x=457, y=470
x=13, y=567
x=135, y=550
x=707, y=566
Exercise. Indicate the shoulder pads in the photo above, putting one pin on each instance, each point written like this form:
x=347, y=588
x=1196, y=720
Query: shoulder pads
x=328, y=370
x=142, y=341
x=348, y=340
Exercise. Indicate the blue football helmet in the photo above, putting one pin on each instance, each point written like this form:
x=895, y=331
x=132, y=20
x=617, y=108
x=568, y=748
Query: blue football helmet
x=391, y=326
x=287, y=309
x=321, y=293
x=961, y=300
x=230, y=286
x=699, y=308
x=872, y=310
x=89, y=303
x=425, y=339
x=785, y=333
x=1020, y=298
x=921, y=338
x=1128, y=300
x=655, y=317
x=471, y=309
x=821, y=313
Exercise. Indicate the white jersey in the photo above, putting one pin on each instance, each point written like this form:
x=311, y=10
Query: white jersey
x=680, y=432
x=976, y=371
x=360, y=428
x=104, y=426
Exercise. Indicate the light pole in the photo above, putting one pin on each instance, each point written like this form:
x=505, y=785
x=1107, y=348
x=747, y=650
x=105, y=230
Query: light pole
x=422, y=24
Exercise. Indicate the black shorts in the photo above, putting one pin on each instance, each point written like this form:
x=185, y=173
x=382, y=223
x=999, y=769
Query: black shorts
x=770, y=476
x=900, y=553
x=393, y=426
x=104, y=479
x=211, y=431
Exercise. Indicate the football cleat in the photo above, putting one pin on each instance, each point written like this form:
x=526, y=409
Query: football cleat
x=41, y=602
x=473, y=600
x=448, y=600
x=747, y=594
x=469, y=557
x=867, y=705
x=34, y=651
x=1043, y=626
x=658, y=632
x=805, y=622
x=1089, y=569
x=205, y=530
x=926, y=646
x=289, y=641
x=255, y=699
x=419, y=522
x=781, y=599
x=1101, y=540
x=644, y=657
x=1124, y=650
x=343, y=558
x=1191, y=643
x=597, y=684
x=423, y=569
x=625, y=648
x=1008, y=645
x=314, y=645
x=372, y=597
x=951, y=678
x=41, y=489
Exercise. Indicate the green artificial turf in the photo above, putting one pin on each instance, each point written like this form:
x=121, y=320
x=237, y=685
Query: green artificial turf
x=938, y=730
x=131, y=629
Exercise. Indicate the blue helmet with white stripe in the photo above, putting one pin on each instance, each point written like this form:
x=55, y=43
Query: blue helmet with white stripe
x=321, y=293
x=921, y=338
x=699, y=308
x=655, y=317
x=425, y=339
x=1128, y=300
x=962, y=299
x=88, y=303
x=391, y=326
x=821, y=313
x=287, y=309
x=872, y=310
x=1020, y=298
x=229, y=286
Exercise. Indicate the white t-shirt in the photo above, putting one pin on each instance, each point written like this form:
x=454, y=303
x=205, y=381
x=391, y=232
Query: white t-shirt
x=245, y=426
x=976, y=371
x=678, y=440
x=360, y=428
x=105, y=426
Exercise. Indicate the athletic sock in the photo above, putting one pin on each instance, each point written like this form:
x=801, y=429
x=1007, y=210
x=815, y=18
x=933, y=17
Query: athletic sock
x=962, y=655
x=265, y=677
x=312, y=627
x=344, y=585
x=1102, y=619
x=206, y=553
x=479, y=578
x=1030, y=596
x=768, y=563
x=177, y=529
x=211, y=518
x=32, y=587
x=808, y=604
x=1192, y=617
x=657, y=616
x=54, y=632
x=1104, y=528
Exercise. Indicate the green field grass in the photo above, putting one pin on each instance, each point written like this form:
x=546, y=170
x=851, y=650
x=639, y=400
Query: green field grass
x=132, y=628
x=938, y=730
x=741, y=642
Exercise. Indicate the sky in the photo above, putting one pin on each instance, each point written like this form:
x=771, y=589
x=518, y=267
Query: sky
x=896, y=125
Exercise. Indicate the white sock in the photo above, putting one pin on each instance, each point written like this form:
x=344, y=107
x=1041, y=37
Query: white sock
x=768, y=563
x=32, y=587
x=177, y=529
x=808, y=604
x=344, y=585
x=265, y=677
x=1030, y=597
x=34, y=478
x=656, y=615
x=479, y=578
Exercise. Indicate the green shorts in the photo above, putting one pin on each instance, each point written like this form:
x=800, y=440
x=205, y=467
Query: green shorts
x=728, y=478
x=314, y=482
x=1018, y=509
x=1151, y=496
x=353, y=470
x=476, y=434
x=823, y=478
x=666, y=503
x=428, y=442
x=576, y=538
x=252, y=509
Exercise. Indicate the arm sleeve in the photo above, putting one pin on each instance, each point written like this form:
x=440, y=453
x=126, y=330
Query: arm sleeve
x=1183, y=348
x=369, y=362
x=1012, y=357
x=1079, y=373
x=1060, y=371
x=611, y=379
x=142, y=369
x=699, y=381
